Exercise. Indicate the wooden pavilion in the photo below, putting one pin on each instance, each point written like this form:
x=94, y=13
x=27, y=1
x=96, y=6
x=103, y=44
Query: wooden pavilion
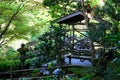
x=77, y=36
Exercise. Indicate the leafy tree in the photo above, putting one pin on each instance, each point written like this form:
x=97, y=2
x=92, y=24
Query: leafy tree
x=59, y=8
x=106, y=34
x=8, y=58
x=9, y=12
x=49, y=48
x=21, y=19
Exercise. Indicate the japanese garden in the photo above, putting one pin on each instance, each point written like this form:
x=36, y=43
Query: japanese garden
x=59, y=40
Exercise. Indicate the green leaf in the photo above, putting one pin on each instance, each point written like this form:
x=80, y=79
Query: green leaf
x=85, y=78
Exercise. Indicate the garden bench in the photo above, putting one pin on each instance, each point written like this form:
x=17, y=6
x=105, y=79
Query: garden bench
x=82, y=58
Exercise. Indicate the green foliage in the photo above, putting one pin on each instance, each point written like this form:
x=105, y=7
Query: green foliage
x=59, y=8
x=110, y=11
x=48, y=48
x=8, y=58
x=8, y=53
x=7, y=8
x=95, y=3
x=106, y=33
x=10, y=12
x=5, y=65
x=35, y=73
x=82, y=73
x=30, y=20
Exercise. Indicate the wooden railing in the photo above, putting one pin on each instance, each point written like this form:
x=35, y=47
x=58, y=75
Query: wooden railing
x=11, y=72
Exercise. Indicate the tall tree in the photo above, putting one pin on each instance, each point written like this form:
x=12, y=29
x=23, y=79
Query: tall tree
x=9, y=13
x=20, y=19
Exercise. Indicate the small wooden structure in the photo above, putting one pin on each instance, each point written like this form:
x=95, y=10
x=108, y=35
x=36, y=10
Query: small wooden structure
x=76, y=40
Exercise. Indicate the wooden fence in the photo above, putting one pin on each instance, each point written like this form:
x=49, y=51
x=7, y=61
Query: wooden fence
x=11, y=72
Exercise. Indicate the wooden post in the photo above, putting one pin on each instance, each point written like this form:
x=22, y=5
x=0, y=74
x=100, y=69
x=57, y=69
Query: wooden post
x=70, y=60
x=60, y=51
x=11, y=72
x=70, y=35
x=73, y=35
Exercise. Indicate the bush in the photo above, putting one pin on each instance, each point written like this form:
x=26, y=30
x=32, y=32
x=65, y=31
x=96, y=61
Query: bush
x=5, y=65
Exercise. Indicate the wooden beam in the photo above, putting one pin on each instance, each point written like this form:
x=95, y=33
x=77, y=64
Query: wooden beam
x=82, y=50
x=80, y=57
x=24, y=70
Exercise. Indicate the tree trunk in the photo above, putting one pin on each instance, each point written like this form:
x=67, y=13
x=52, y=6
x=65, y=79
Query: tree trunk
x=86, y=21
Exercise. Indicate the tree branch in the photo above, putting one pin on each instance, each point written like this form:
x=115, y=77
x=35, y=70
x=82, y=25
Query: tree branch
x=4, y=40
x=9, y=22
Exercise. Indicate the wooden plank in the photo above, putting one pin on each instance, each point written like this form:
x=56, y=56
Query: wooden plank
x=80, y=57
x=32, y=77
x=82, y=50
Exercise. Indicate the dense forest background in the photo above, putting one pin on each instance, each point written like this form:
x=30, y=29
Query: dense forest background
x=31, y=22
